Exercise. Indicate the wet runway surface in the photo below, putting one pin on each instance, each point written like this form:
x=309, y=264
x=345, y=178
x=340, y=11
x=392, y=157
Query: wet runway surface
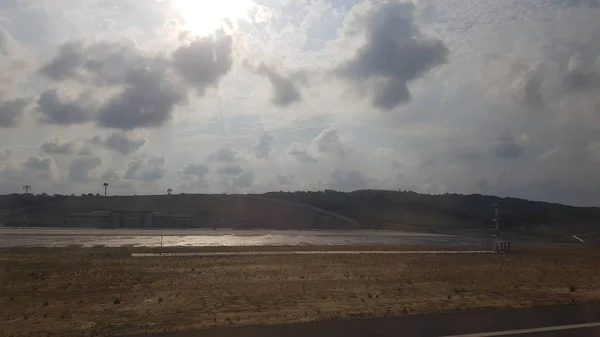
x=58, y=237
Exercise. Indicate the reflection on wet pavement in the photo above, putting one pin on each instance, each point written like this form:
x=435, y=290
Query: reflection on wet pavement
x=34, y=237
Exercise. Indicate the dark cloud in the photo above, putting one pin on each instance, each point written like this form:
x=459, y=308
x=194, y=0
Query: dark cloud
x=508, y=147
x=80, y=168
x=147, y=98
x=54, y=110
x=264, y=146
x=38, y=164
x=203, y=62
x=245, y=180
x=148, y=101
x=580, y=78
x=124, y=142
x=230, y=170
x=11, y=111
x=148, y=87
x=395, y=53
x=222, y=155
x=529, y=88
x=352, y=180
x=145, y=169
x=196, y=170
x=285, y=89
x=56, y=146
x=64, y=65
x=44, y=168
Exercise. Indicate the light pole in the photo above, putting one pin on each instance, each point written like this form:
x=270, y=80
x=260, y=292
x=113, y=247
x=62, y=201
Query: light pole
x=496, y=219
x=105, y=187
x=26, y=188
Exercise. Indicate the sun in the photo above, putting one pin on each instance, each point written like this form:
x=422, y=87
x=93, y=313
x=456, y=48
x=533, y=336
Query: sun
x=204, y=17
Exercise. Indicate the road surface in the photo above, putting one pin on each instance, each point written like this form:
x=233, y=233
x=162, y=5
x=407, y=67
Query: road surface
x=577, y=320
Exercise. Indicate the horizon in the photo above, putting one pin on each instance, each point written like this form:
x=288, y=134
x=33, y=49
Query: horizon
x=249, y=96
x=298, y=191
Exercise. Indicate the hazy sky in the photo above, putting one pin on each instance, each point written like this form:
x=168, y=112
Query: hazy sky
x=466, y=96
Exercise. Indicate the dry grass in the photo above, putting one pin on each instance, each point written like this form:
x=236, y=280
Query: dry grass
x=104, y=292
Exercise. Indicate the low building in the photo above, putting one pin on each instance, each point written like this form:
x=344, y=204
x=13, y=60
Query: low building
x=93, y=219
x=128, y=219
x=172, y=220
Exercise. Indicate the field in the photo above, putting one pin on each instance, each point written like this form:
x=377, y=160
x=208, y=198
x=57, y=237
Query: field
x=105, y=292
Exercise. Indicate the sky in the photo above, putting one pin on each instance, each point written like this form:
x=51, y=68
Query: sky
x=241, y=96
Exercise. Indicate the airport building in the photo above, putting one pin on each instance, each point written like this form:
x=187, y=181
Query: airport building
x=128, y=219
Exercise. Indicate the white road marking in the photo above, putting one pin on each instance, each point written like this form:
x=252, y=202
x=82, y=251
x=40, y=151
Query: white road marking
x=325, y=252
x=533, y=330
x=578, y=238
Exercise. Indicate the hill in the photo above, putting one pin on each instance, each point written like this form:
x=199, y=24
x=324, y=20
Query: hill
x=365, y=209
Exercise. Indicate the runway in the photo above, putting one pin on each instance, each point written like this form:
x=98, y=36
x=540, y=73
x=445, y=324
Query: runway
x=66, y=237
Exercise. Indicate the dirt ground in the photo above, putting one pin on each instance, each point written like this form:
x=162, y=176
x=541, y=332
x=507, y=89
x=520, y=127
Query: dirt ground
x=106, y=292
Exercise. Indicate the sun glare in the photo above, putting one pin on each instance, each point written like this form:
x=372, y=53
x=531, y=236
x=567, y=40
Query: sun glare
x=204, y=17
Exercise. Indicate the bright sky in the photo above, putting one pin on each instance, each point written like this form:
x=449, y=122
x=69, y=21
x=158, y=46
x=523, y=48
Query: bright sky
x=449, y=96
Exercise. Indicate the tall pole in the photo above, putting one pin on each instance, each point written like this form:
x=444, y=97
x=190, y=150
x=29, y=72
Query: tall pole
x=105, y=187
x=496, y=219
x=26, y=188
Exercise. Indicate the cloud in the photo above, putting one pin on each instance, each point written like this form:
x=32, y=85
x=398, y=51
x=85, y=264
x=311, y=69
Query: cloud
x=527, y=85
x=395, y=53
x=110, y=176
x=510, y=148
x=579, y=78
x=145, y=88
x=11, y=111
x=5, y=155
x=65, y=64
x=245, y=180
x=124, y=142
x=328, y=141
x=56, y=110
x=57, y=146
x=593, y=150
x=230, y=170
x=467, y=154
x=147, y=101
x=301, y=153
x=79, y=169
x=351, y=180
x=145, y=169
x=198, y=171
x=195, y=176
x=264, y=146
x=40, y=167
x=204, y=61
x=15, y=65
x=285, y=89
x=222, y=155
x=285, y=180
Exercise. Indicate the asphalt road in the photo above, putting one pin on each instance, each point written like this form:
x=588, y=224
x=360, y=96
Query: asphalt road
x=577, y=320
